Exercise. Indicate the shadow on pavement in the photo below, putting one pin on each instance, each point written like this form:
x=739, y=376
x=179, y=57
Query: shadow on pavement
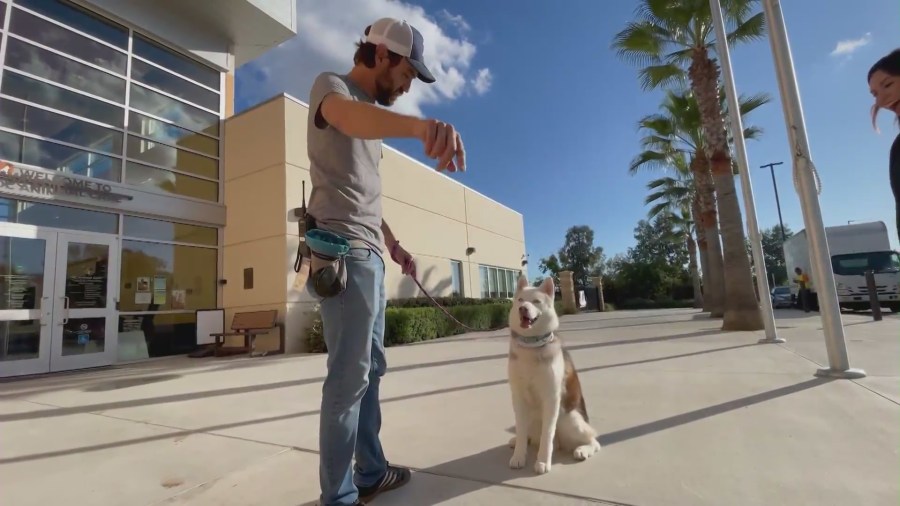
x=85, y=377
x=90, y=408
x=707, y=412
x=491, y=467
x=181, y=434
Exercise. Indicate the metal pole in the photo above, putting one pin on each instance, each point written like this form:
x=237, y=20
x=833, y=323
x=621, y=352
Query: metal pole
x=838, y=360
x=737, y=131
x=771, y=167
x=873, y=295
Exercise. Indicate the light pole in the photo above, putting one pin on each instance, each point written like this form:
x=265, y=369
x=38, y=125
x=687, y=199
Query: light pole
x=737, y=132
x=838, y=360
x=771, y=167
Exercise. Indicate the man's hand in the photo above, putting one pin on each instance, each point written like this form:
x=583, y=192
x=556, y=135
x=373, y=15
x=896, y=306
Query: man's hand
x=403, y=259
x=443, y=142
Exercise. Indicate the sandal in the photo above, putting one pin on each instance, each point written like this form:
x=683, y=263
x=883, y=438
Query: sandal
x=395, y=477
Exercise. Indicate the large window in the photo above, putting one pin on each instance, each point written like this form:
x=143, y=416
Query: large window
x=40, y=214
x=74, y=99
x=456, y=277
x=169, y=270
x=497, y=282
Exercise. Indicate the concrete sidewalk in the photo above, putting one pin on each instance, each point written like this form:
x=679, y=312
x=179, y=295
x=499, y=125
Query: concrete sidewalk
x=688, y=416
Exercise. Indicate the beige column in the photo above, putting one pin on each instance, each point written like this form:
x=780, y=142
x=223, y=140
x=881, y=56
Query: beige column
x=567, y=290
x=598, y=282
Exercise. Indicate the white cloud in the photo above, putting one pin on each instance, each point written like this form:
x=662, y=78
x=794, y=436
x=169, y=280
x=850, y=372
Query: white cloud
x=326, y=34
x=847, y=47
x=483, y=81
x=455, y=19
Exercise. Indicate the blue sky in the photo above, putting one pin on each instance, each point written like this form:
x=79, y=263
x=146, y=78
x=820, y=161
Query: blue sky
x=548, y=112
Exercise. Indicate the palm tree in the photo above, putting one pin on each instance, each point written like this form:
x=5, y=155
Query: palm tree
x=674, y=197
x=675, y=141
x=672, y=41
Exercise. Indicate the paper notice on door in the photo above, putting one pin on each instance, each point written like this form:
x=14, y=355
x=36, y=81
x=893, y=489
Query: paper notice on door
x=178, y=299
x=159, y=290
x=143, y=298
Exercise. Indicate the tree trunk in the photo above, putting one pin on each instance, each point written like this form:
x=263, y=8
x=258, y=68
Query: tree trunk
x=695, y=275
x=714, y=276
x=742, y=310
x=701, y=247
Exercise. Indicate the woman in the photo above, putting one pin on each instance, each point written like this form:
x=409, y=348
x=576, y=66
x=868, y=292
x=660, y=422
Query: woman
x=884, y=83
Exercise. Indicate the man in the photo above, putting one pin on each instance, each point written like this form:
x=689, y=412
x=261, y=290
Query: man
x=803, y=293
x=345, y=129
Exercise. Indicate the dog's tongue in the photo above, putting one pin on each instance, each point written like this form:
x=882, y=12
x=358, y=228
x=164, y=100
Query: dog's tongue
x=525, y=322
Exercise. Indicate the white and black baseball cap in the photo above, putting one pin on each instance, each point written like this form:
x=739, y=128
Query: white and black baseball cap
x=402, y=38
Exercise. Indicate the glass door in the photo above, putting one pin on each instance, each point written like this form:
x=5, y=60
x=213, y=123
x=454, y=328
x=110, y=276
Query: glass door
x=27, y=276
x=85, y=324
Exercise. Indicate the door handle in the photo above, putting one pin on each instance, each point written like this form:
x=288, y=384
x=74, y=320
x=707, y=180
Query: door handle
x=65, y=311
x=44, y=312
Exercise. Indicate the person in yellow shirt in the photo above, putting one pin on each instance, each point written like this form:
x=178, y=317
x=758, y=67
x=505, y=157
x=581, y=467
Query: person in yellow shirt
x=803, y=294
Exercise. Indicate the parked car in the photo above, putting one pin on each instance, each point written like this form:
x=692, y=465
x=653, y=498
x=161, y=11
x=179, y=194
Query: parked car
x=781, y=297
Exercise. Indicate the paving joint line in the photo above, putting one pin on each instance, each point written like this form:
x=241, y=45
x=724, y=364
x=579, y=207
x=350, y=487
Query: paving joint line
x=179, y=430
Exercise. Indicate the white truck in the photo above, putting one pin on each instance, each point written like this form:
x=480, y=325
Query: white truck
x=855, y=249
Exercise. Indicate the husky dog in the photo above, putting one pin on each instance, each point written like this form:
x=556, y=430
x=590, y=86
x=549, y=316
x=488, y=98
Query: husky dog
x=546, y=393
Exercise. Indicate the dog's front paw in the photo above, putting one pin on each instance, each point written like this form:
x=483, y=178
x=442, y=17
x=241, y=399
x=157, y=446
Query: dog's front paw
x=541, y=467
x=517, y=461
x=585, y=452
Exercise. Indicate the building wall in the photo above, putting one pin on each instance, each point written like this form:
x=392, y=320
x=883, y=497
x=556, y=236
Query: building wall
x=222, y=33
x=435, y=217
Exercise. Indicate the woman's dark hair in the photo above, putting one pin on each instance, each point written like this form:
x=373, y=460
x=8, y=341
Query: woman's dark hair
x=889, y=64
x=365, y=54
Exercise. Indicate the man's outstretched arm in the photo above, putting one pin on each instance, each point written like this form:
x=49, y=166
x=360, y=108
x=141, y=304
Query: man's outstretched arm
x=363, y=120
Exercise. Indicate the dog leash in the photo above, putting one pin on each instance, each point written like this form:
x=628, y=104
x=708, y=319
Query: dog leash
x=436, y=304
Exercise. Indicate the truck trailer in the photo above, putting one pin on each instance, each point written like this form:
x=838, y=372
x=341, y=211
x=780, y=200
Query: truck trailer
x=855, y=249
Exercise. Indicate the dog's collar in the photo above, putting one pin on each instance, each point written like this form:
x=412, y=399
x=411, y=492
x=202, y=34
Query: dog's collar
x=533, y=341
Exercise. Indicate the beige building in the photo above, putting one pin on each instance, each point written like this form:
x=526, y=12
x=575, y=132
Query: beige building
x=464, y=243
x=128, y=203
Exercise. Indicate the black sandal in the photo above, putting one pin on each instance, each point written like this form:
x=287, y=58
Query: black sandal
x=395, y=477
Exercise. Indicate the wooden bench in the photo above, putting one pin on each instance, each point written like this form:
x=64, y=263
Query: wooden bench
x=248, y=324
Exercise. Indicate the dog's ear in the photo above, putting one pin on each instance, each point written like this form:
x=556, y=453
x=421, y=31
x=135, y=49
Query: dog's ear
x=547, y=286
x=523, y=282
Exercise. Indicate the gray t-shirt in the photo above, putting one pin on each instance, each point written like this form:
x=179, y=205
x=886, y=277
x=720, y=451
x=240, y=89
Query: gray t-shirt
x=346, y=194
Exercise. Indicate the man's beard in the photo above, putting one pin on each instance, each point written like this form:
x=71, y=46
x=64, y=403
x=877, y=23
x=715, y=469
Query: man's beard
x=385, y=93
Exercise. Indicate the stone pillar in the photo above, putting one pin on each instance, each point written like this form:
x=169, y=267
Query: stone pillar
x=567, y=290
x=598, y=282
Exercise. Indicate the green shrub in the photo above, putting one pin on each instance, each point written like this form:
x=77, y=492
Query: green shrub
x=404, y=325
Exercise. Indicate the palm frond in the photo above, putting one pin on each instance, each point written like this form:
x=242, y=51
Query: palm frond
x=753, y=132
x=662, y=182
x=749, y=30
x=664, y=75
x=649, y=160
x=749, y=104
x=638, y=44
x=658, y=209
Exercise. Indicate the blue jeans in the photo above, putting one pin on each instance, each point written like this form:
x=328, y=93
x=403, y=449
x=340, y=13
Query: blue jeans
x=350, y=419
